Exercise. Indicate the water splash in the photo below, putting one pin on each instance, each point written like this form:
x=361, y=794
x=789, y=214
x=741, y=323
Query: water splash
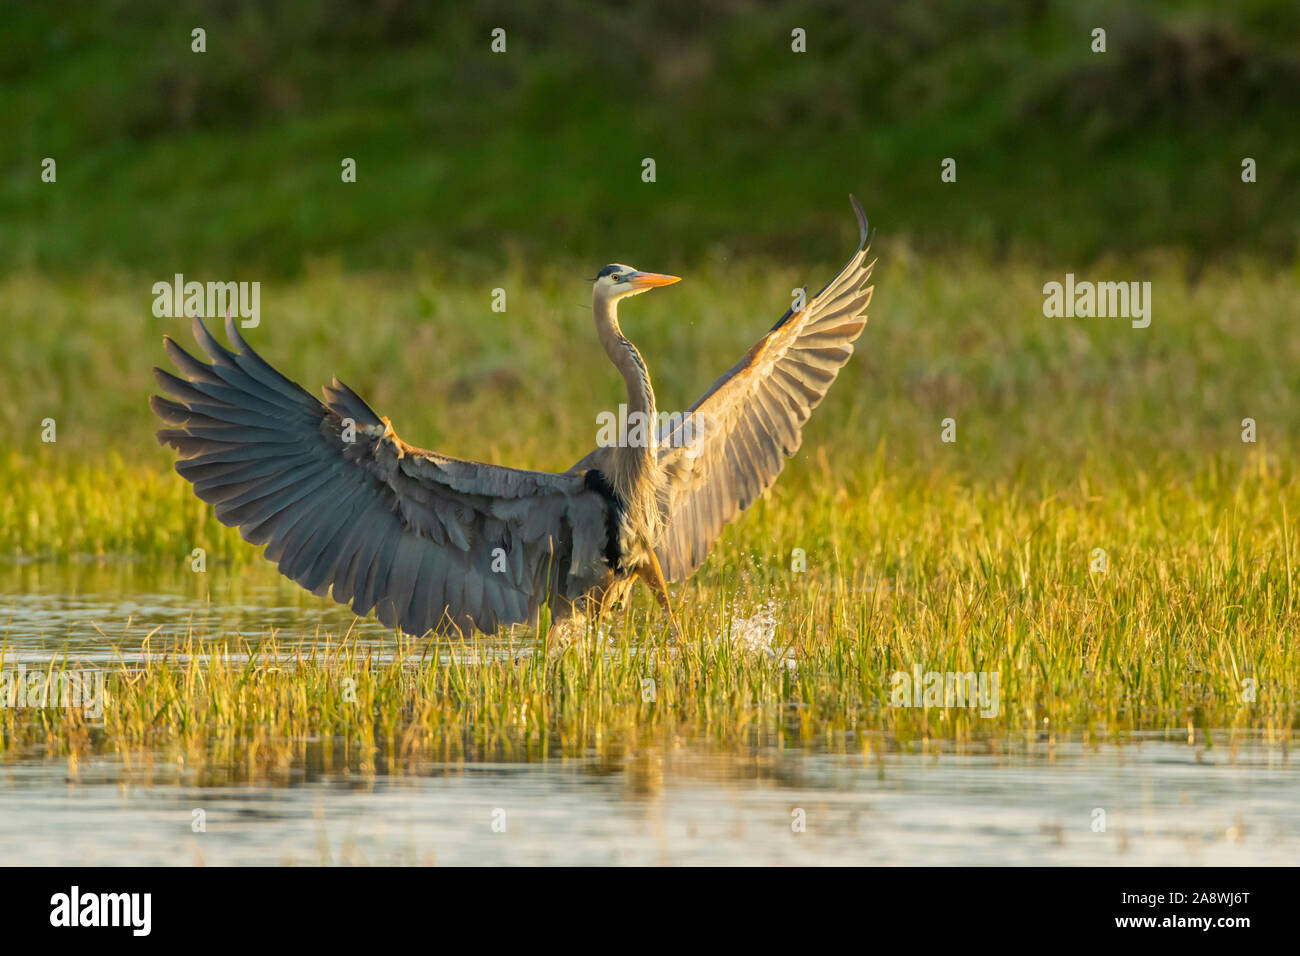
x=756, y=632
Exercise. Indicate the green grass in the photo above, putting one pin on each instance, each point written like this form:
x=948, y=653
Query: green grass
x=229, y=161
x=1072, y=435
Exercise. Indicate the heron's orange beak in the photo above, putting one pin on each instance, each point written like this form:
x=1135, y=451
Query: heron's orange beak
x=649, y=280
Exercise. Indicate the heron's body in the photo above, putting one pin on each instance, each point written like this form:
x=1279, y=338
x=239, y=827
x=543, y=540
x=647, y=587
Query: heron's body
x=429, y=542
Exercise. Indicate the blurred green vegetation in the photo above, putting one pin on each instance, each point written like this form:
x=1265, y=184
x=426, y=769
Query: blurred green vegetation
x=171, y=161
x=1043, y=406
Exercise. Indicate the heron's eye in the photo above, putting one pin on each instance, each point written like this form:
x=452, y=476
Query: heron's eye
x=616, y=277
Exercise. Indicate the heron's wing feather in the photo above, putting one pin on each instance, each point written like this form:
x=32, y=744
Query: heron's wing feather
x=347, y=508
x=732, y=443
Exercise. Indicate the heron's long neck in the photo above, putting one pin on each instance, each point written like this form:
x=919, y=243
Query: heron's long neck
x=634, y=463
x=640, y=393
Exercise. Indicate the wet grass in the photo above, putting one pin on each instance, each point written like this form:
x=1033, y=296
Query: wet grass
x=256, y=708
x=1072, y=436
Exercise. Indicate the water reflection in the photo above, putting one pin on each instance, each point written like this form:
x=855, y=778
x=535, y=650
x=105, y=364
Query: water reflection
x=1165, y=803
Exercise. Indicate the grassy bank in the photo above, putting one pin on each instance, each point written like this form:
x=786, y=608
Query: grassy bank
x=229, y=161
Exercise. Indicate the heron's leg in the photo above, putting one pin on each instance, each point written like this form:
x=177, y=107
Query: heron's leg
x=607, y=599
x=653, y=576
x=600, y=601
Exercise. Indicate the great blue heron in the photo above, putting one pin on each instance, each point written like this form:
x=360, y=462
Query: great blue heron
x=347, y=508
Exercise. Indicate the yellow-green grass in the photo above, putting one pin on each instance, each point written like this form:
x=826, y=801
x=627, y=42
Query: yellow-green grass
x=256, y=709
x=1072, y=435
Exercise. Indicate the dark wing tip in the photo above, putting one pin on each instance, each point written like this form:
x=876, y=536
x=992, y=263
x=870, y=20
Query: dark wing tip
x=168, y=411
x=862, y=220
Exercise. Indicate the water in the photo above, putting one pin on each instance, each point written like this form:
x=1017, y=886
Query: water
x=103, y=612
x=1165, y=801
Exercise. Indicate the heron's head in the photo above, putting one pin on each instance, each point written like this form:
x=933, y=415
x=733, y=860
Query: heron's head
x=617, y=281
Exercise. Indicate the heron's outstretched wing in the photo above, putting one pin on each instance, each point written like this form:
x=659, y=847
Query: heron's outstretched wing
x=345, y=506
x=732, y=443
